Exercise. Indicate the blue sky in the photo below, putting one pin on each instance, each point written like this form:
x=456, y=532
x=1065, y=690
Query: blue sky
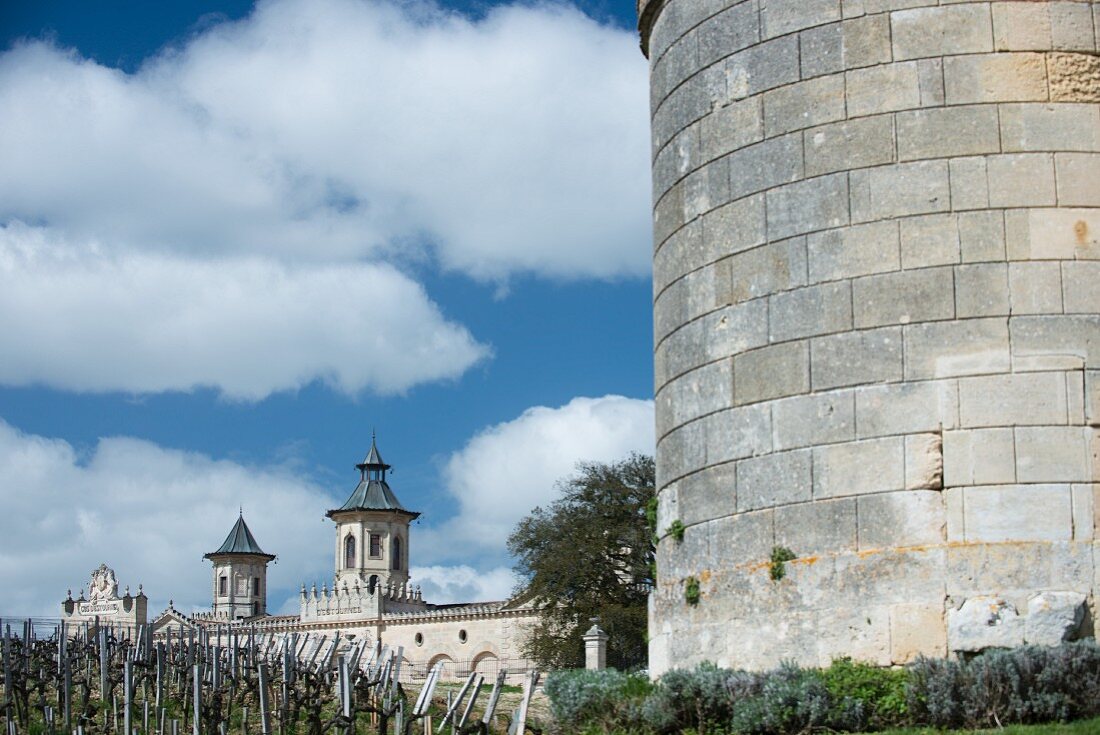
x=235, y=239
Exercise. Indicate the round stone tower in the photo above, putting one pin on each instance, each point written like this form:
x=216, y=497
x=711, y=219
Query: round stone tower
x=877, y=326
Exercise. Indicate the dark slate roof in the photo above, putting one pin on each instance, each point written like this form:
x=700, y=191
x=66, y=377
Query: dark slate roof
x=372, y=494
x=240, y=541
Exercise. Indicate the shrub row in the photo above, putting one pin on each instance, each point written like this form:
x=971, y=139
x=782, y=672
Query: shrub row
x=1024, y=685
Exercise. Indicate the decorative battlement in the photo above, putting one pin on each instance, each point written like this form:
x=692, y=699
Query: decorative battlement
x=358, y=601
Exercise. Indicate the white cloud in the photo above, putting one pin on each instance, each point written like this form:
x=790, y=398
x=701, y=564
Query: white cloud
x=80, y=318
x=148, y=512
x=463, y=583
x=331, y=129
x=508, y=469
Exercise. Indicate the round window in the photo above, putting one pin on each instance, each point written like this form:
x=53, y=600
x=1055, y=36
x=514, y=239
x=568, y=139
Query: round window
x=462, y=636
x=419, y=639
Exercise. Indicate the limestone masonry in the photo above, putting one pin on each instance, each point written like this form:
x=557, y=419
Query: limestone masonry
x=877, y=325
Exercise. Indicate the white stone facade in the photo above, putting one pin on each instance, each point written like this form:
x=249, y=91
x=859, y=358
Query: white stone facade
x=371, y=597
x=877, y=324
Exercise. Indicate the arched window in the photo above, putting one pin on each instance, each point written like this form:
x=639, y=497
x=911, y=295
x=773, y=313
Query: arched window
x=372, y=583
x=349, y=552
x=396, y=552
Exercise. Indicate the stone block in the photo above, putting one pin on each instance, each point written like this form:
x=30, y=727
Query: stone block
x=694, y=394
x=981, y=236
x=981, y=290
x=897, y=520
x=779, y=17
x=1081, y=285
x=774, y=479
x=706, y=188
x=772, y=372
x=947, y=131
x=855, y=8
x=1070, y=24
x=1017, y=568
x=1053, y=617
x=765, y=165
x=731, y=127
x=761, y=67
x=1019, y=399
x=942, y=31
x=1075, y=393
x=930, y=77
x=931, y=239
x=903, y=297
x=805, y=104
x=732, y=228
x=955, y=515
x=907, y=408
x=853, y=251
x=1092, y=397
x=1073, y=77
x=804, y=421
x=1084, y=511
x=867, y=141
x=1035, y=288
x=731, y=30
x=1052, y=454
x=820, y=527
x=978, y=457
x=852, y=358
x=856, y=468
x=906, y=188
x=1058, y=335
x=998, y=513
x=743, y=539
x=810, y=311
x=924, y=462
x=1050, y=127
x=1021, y=180
x=1078, y=177
x=950, y=349
x=969, y=183
x=704, y=496
x=883, y=88
x=807, y=206
x=1021, y=26
x=778, y=266
x=736, y=434
x=850, y=44
x=984, y=622
x=917, y=629
x=1056, y=234
x=1005, y=77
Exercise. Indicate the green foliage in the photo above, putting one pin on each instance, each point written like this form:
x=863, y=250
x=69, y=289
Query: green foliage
x=676, y=530
x=882, y=691
x=1023, y=685
x=699, y=699
x=597, y=701
x=795, y=700
x=691, y=591
x=780, y=556
x=586, y=555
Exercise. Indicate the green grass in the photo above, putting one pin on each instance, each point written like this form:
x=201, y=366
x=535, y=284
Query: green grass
x=1081, y=727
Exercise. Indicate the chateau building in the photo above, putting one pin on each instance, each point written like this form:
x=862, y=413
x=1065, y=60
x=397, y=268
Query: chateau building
x=371, y=598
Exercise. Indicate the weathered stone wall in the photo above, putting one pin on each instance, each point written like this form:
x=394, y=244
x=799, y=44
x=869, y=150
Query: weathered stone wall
x=877, y=324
